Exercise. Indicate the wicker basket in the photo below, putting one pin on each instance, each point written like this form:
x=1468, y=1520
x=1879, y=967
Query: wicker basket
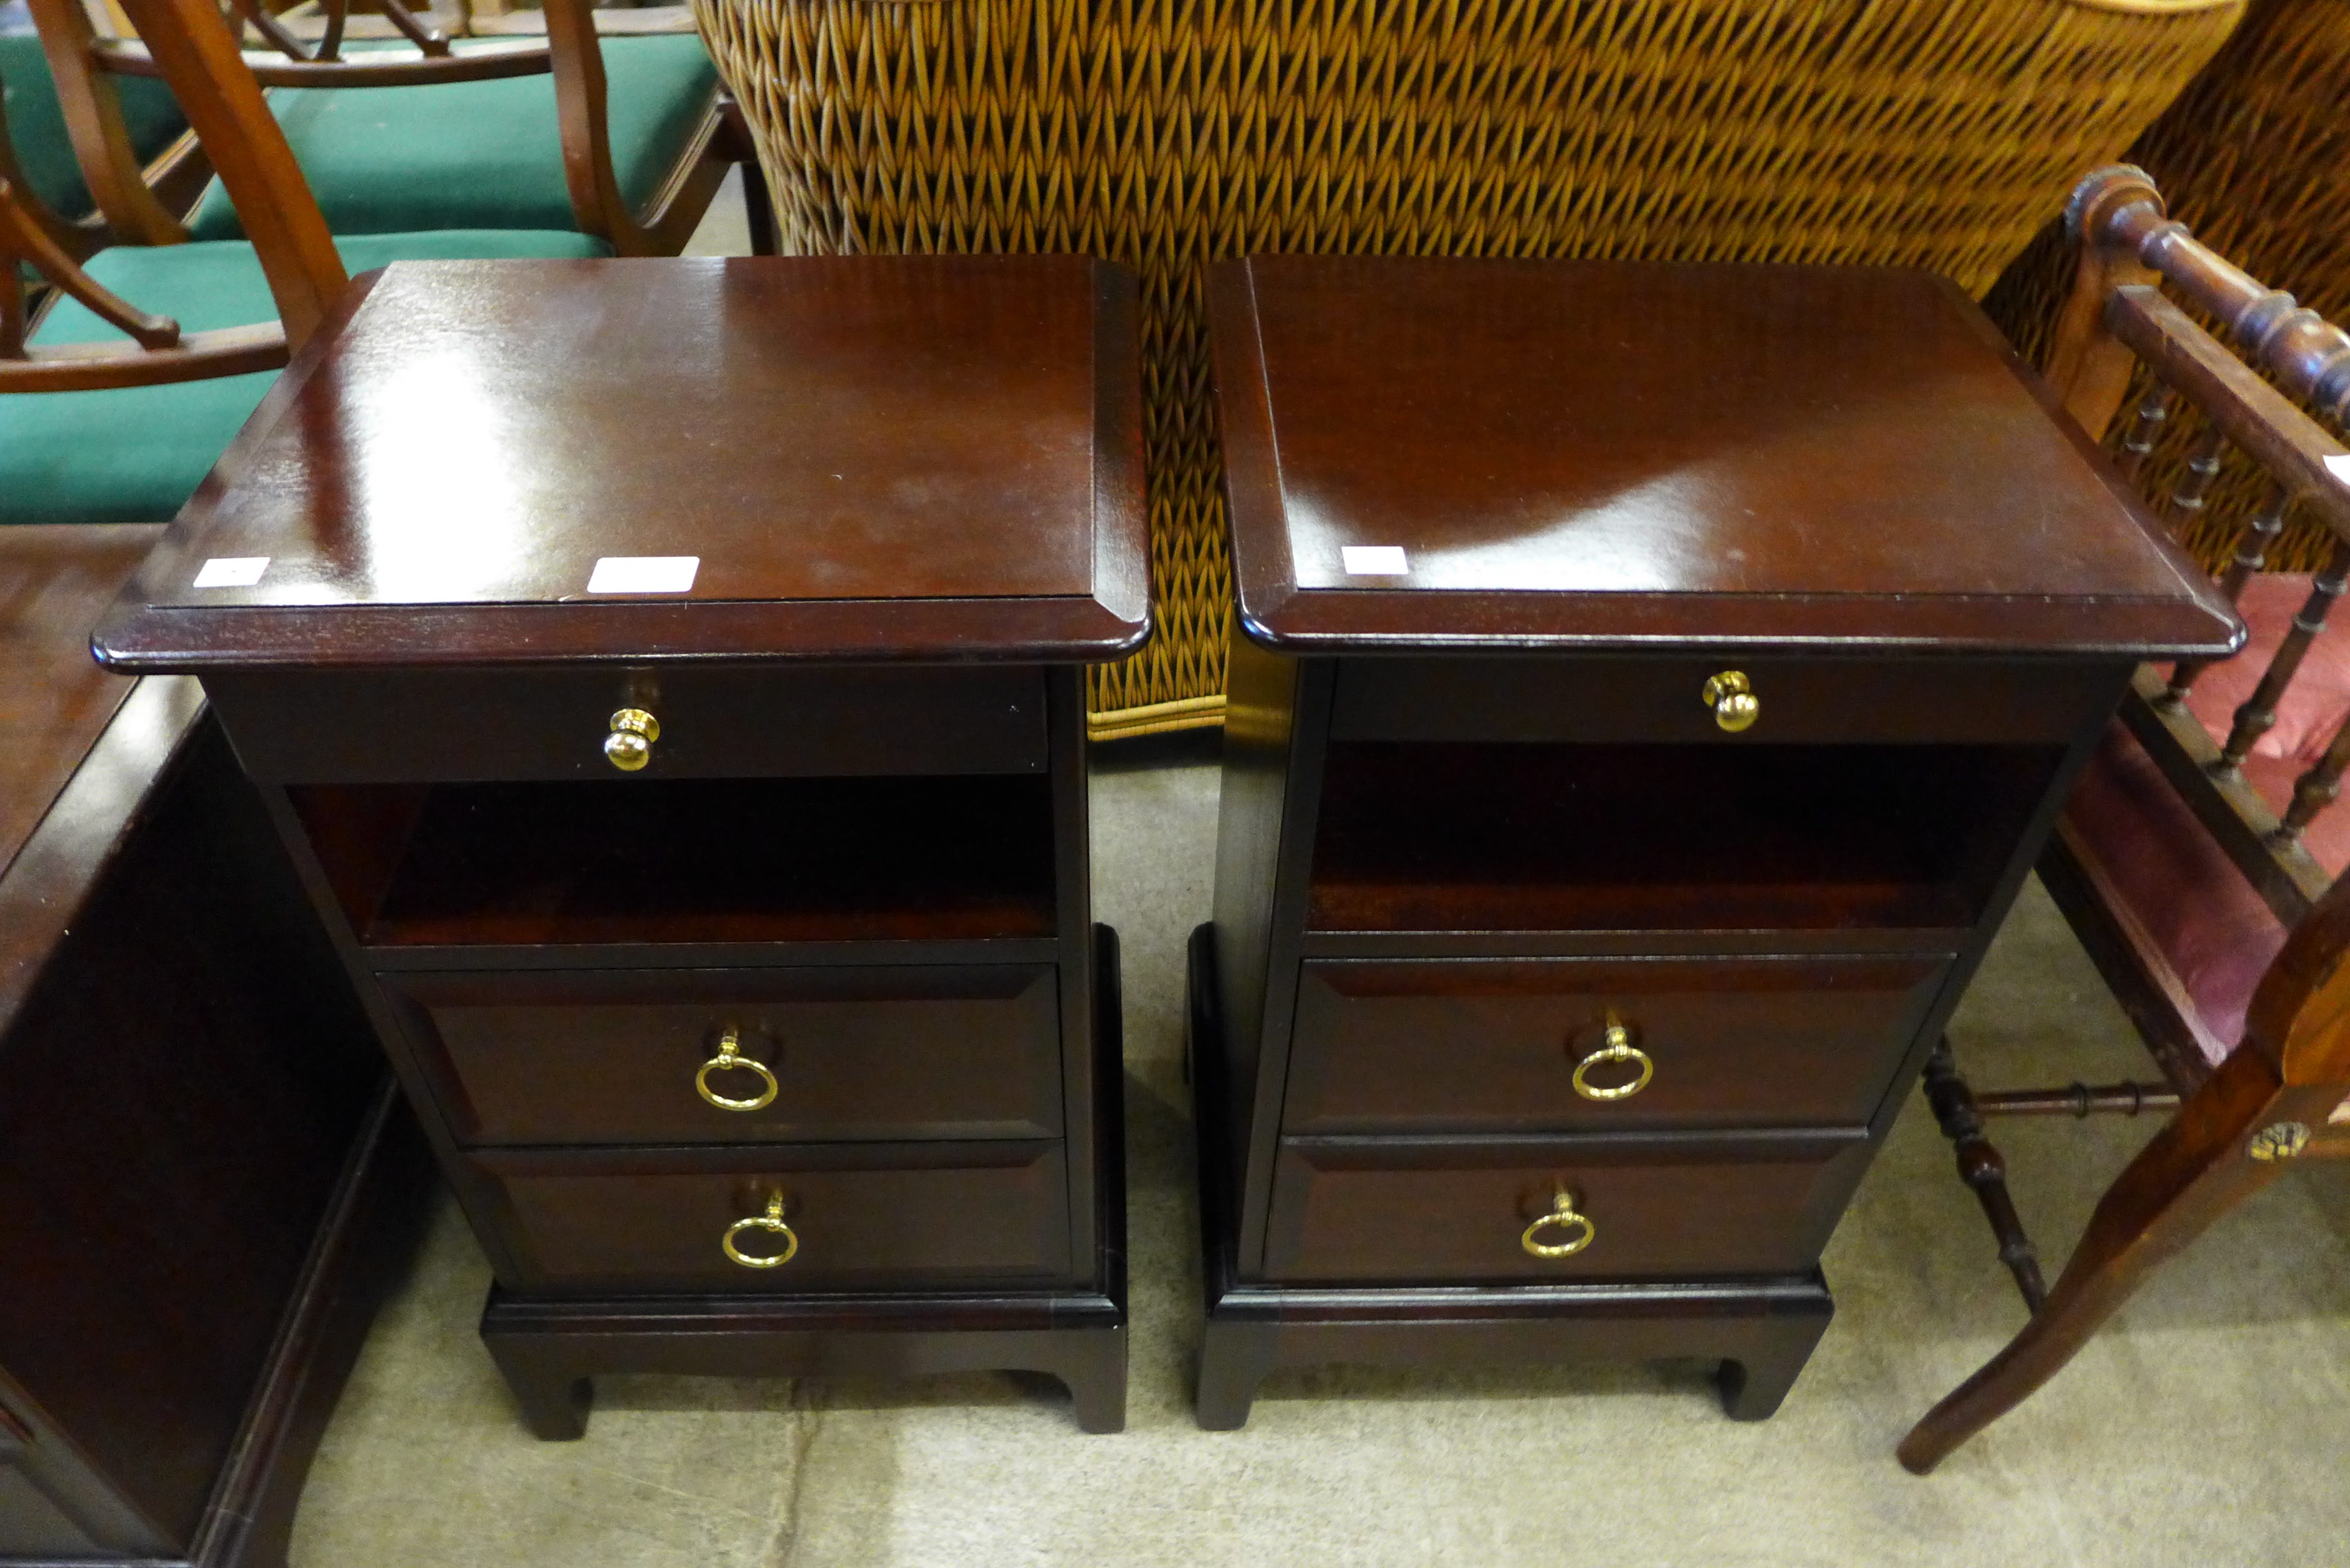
x=2255, y=158
x=1165, y=133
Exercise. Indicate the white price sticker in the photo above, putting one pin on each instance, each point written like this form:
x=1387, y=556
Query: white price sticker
x=1374, y=560
x=232, y=571
x=644, y=575
x=2338, y=465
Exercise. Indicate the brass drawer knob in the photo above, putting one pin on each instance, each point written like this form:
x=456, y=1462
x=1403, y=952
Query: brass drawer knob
x=730, y=1059
x=630, y=746
x=1576, y=1231
x=771, y=1222
x=1731, y=698
x=1615, y=1046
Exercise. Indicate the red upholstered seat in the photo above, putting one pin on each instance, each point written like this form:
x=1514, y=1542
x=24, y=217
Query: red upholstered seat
x=2315, y=706
x=2180, y=900
x=2190, y=911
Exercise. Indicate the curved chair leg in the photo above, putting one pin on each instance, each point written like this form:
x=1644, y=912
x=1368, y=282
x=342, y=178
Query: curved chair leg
x=2195, y=1170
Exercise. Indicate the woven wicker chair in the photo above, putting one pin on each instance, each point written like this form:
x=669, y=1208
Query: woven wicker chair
x=1932, y=133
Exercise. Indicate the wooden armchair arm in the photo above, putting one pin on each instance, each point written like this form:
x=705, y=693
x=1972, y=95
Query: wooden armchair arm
x=23, y=238
x=164, y=353
x=2127, y=237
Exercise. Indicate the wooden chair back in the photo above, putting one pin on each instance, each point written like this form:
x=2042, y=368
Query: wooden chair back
x=86, y=60
x=198, y=55
x=2148, y=886
x=2119, y=326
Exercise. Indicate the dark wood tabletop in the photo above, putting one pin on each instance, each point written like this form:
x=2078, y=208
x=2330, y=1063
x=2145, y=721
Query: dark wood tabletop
x=899, y=457
x=1496, y=454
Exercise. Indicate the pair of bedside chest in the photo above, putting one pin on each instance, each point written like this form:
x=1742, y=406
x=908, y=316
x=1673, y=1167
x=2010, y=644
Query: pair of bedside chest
x=666, y=677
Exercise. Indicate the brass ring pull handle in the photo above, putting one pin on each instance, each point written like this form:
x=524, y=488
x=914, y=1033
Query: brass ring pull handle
x=1731, y=697
x=772, y=1220
x=730, y=1059
x=630, y=746
x=1616, y=1047
x=1562, y=1215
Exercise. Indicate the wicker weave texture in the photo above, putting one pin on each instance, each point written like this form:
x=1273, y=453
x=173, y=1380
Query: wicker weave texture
x=1167, y=133
x=2255, y=158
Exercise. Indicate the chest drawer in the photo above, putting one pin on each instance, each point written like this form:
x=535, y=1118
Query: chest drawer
x=457, y=726
x=1811, y=701
x=1459, y=1214
x=1600, y=1045
x=869, y=1216
x=879, y=1052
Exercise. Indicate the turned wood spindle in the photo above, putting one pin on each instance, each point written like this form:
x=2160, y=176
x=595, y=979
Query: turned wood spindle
x=2260, y=711
x=1982, y=1167
x=2316, y=789
x=2252, y=554
x=2195, y=485
x=2145, y=430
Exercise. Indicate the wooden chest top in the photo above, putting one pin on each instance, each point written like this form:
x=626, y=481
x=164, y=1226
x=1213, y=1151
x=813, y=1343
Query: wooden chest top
x=1537, y=454
x=891, y=457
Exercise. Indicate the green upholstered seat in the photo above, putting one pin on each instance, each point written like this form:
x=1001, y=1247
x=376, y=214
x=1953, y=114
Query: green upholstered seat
x=484, y=154
x=37, y=126
x=135, y=454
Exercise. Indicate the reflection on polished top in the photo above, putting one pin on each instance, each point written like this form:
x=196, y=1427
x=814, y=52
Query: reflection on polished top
x=486, y=462
x=1542, y=453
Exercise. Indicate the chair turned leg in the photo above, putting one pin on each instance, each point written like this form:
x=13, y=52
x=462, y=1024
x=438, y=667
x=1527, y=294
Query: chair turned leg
x=2195, y=1170
x=1233, y=1361
x=554, y=1400
x=1982, y=1168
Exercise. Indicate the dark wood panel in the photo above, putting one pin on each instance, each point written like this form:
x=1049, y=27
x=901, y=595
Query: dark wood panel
x=612, y=1057
x=54, y=582
x=893, y=1215
x=1436, y=1212
x=1440, y=837
x=1493, y=1046
x=178, y=1092
x=368, y=726
x=1816, y=701
x=690, y=860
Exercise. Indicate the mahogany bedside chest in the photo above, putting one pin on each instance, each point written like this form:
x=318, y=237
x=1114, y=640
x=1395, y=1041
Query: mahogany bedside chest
x=1651, y=686
x=668, y=677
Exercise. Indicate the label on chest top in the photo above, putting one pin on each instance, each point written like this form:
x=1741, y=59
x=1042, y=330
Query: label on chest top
x=231, y=572
x=1374, y=560
x=643, y=573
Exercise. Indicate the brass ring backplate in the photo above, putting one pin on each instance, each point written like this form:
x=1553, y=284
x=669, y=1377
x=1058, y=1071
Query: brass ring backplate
x=1563, y=1215
x=1616, y=1047
x=772, y=1220
x=729, y=1058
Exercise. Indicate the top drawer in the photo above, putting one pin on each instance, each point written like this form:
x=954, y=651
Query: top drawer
x=1604, y=698
x=363, y=726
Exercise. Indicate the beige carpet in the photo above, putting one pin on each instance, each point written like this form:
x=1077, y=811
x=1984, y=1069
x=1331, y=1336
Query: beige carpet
x=2207, y=1427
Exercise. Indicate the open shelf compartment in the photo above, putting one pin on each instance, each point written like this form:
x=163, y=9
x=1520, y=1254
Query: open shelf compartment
x=1530, y=837
x=689, y=860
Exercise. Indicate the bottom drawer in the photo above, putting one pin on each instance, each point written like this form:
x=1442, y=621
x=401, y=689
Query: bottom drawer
x=851, y=1216
x=1459, y=1214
